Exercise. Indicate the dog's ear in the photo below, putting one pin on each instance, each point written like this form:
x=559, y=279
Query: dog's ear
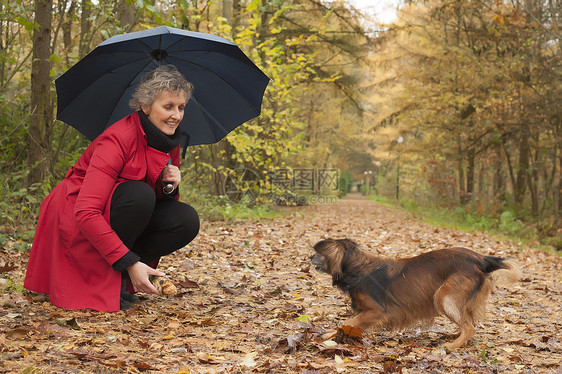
x=333, y=251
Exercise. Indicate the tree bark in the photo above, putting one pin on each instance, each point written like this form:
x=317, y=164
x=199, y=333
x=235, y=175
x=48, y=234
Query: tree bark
x=559, y=192
x=499, y=176
x=85, y=25
x=67, y=30
x=41, y=121
x=227, y=9
x=470, y=157
x=126, y=15
x=523, y=167
x=533, y=184
x=236, y=14
x=462, y=186
x=2, y=48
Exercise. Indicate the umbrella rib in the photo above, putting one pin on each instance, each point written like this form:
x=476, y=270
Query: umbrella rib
x=208, y=118
x=218, y=76
x=128, y=85
x=111, y=71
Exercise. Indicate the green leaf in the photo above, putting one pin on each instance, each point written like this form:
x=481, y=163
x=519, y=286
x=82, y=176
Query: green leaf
x=26, y=23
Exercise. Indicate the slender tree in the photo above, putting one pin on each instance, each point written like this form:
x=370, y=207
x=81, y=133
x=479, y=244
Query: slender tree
x=41, y=121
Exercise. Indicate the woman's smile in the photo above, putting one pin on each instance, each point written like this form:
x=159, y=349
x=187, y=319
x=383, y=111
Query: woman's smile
x=166, y=112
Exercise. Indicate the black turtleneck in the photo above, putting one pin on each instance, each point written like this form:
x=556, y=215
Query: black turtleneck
x=157, y=139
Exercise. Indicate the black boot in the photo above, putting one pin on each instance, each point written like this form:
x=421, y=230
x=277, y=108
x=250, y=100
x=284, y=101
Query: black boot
x=125, y=295
x=124, y=304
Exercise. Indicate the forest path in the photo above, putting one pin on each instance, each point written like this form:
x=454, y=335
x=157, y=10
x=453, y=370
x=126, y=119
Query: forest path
x=249, y=301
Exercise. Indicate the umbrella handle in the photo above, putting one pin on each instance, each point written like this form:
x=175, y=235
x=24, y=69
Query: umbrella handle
x=168, y=188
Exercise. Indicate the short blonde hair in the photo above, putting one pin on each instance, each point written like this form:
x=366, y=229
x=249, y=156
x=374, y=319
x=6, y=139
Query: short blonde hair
x=163, y=78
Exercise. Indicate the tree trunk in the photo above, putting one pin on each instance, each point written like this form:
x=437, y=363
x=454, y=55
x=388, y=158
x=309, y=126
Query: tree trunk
x=41, y=121
x=126, y=15
x=2, y=47
x=523, y=167
x=499, y=177
x=470, y=174
x=85, y=25
x=483, y=191
x=67, y=30
x=533, y=184
x=220, y=159
x=509, y=165
x=227, y=9
x=236, y=14
x=462, y=186
x=559, y=192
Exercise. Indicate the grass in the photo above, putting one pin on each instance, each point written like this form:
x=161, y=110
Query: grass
x=506, y=226
x=215, y=208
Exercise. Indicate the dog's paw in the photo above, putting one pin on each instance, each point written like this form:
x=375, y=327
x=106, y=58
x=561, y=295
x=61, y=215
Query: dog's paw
x=348, y=334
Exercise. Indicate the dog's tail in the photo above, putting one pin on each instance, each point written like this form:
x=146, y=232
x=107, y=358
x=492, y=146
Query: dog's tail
x=506, y=267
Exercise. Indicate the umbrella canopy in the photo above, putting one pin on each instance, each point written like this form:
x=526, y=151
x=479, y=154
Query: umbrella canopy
x=95, y=92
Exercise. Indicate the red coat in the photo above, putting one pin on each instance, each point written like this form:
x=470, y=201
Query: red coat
x=74, y=245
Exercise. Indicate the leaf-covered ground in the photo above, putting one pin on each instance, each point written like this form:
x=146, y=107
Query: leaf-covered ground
x=249, y=301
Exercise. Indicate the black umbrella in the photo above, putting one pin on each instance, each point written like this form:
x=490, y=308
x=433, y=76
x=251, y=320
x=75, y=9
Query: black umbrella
x=229, y=88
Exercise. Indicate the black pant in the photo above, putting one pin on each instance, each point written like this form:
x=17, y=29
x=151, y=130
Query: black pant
x=151, y=227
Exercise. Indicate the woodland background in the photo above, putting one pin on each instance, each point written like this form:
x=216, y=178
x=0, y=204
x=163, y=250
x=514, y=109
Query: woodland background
x=454, y=107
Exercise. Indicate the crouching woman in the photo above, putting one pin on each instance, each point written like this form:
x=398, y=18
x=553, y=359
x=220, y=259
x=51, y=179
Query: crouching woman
x=111, y=219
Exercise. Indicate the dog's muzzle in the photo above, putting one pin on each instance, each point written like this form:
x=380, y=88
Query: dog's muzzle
x=318, y=261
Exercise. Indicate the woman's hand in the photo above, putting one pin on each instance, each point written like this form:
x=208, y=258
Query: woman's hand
x=139, y=273
x=171, y=174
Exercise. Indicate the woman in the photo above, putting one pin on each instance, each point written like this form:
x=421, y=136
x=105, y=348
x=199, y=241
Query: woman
x=111, y=216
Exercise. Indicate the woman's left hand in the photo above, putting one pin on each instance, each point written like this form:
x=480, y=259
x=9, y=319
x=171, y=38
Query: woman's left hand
x=171, y=174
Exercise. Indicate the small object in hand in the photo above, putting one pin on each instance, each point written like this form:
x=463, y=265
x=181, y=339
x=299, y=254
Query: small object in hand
x=164, y=286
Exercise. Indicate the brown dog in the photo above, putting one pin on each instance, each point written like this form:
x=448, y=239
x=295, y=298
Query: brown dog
x=399, y=293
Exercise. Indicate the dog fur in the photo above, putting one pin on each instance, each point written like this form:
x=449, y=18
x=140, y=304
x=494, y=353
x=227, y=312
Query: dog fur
x=400, y=293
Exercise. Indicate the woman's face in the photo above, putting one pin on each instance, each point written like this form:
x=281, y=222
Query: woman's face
x=166, y=112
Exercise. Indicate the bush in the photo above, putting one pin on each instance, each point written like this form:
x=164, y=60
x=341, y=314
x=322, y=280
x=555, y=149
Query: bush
x=510, y=224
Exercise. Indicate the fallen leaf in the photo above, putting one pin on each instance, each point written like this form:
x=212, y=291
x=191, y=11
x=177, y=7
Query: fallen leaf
x=7, y=267
x=304, y=318
x=72, y=323
x=143, y=366
x=188, y=284
x=18, y=333
x=174, y=324
x=207, y=358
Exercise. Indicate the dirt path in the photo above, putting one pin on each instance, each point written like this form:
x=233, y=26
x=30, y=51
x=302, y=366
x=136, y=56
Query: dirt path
x=249, y=302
